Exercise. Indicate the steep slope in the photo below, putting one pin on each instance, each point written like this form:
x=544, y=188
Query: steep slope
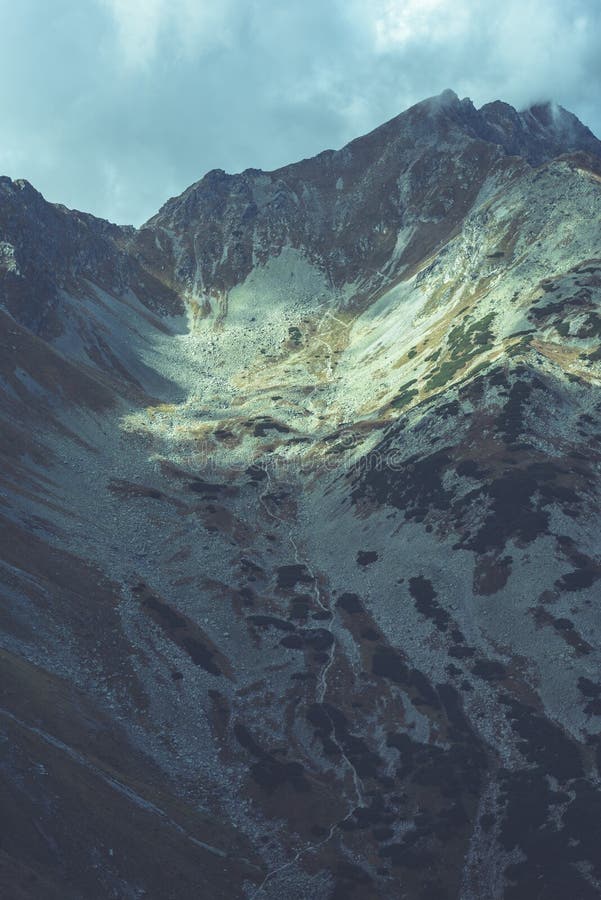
x=362, y=214
x=300, y=503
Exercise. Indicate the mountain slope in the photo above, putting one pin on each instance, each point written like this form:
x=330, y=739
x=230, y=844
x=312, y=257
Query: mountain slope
x=300, y=511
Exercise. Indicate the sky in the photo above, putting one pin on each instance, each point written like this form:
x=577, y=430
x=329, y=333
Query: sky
x=113, y=106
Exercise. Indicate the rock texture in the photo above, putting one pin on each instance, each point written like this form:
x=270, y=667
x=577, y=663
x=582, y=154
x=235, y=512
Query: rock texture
x=300, y=510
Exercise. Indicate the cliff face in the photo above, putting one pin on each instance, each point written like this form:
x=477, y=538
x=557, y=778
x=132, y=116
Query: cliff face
x=381, y=202
x=300, y=507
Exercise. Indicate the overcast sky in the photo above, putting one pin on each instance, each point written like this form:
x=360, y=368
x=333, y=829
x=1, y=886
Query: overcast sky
x=113, y=106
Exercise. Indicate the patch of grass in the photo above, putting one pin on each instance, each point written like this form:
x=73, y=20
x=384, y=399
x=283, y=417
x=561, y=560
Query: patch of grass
x=521, y=346
x=465, y=341
x=446, y=372
x=405, y=395
x=161, y=408
x=464, y=337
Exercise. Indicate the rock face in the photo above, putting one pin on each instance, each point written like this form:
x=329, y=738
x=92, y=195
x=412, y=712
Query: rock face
x=300, y=526
x=350, y=212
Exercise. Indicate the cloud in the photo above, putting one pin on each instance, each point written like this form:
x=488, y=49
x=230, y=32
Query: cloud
x=115, y=105
x=142, y=27
x=397, y=23
x=137, y=24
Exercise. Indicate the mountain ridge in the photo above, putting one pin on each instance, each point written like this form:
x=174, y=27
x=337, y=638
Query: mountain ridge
x=447, y=101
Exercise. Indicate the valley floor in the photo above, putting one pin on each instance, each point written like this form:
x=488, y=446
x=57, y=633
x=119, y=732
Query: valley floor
x=245, y=670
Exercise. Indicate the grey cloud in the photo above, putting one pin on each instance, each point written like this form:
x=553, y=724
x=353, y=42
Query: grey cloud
x=114, y=105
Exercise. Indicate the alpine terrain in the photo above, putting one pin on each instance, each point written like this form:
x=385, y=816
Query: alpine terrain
x=301, y=528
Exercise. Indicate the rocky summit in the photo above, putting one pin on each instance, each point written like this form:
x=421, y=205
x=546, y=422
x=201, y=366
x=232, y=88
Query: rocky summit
x=300, y=526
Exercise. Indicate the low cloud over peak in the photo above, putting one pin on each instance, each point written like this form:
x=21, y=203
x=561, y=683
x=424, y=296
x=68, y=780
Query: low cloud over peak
x=114, y=105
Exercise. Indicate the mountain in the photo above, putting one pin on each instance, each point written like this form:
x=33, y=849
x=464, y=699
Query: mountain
x=300, y=518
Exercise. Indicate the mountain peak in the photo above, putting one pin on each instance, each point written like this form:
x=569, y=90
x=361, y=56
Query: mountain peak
x=439, y=104
x=554, y=121
x=449, y=96
x=446, y=98
x=538, y=133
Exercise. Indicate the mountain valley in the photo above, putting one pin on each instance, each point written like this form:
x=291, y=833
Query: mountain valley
x=300, y=496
